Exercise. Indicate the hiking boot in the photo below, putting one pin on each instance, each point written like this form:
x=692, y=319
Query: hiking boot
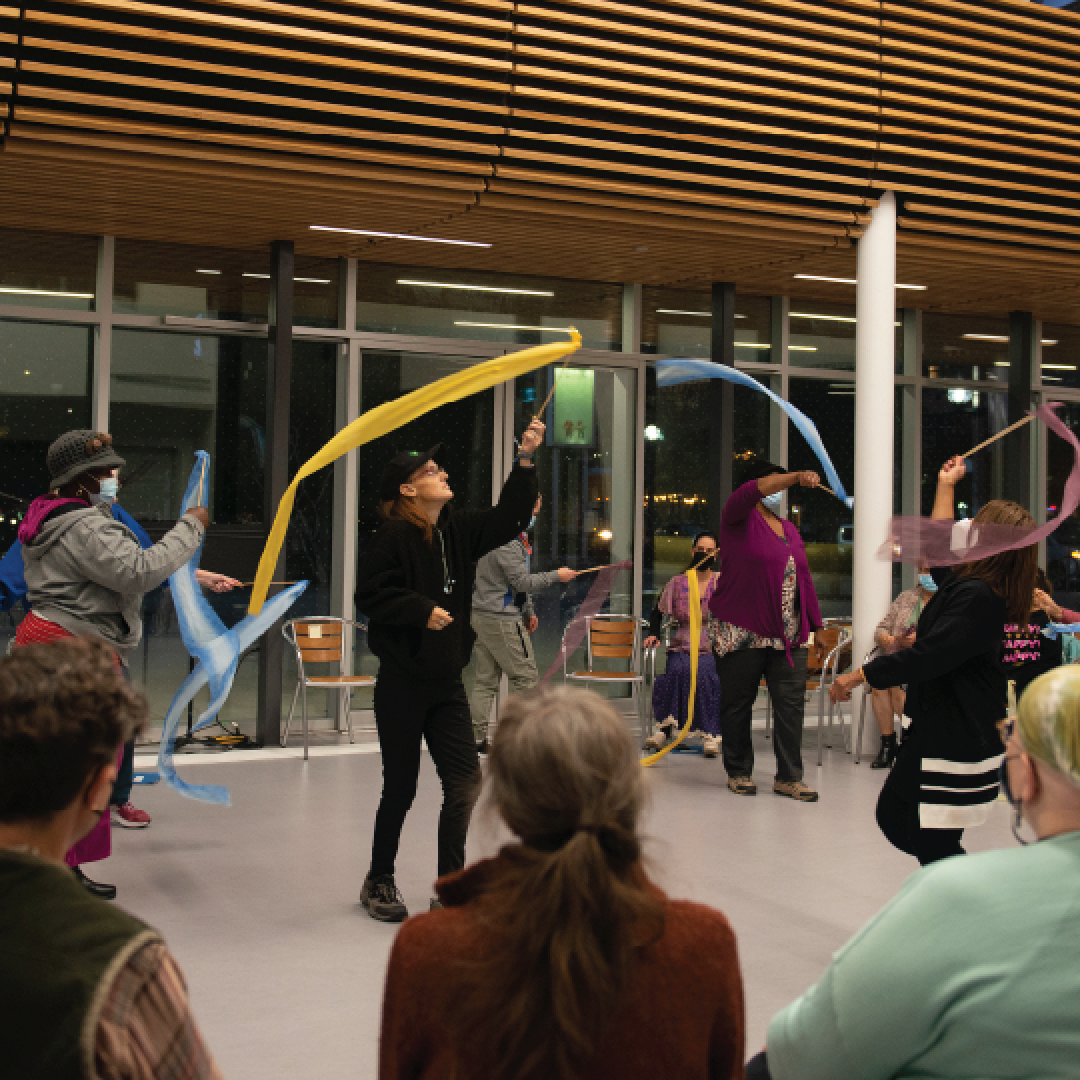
x=742, y=785
x=795, y=789
x=382, y=899
x=711, y=746
x=886, y=755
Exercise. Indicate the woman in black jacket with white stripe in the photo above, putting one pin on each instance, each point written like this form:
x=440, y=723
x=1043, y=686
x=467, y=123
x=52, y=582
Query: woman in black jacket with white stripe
x=415, y=584
x=946, y=771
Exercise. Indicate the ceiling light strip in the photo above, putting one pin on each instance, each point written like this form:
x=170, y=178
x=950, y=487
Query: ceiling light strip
x=399, y=236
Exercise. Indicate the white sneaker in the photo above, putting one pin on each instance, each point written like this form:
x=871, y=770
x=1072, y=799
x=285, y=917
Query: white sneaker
x=712, y=746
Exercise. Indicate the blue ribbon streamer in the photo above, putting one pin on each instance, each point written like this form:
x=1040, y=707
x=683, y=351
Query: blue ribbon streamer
x=1052, y=630
x=215, y=649
x=679, y=370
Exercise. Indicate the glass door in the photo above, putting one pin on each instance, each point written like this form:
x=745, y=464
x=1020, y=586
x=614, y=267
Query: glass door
x=466, y=430
x=587, y=480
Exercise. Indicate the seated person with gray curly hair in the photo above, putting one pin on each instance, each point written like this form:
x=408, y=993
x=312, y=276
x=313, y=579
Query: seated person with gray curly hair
x=89, y=991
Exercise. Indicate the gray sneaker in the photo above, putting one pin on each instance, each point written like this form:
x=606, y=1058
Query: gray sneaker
x=382, y=899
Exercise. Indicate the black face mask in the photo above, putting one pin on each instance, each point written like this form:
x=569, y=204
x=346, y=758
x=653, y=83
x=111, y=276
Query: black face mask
x=707, y=561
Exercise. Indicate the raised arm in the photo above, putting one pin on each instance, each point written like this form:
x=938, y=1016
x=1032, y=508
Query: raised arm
x=744, y=499
x=952, y=472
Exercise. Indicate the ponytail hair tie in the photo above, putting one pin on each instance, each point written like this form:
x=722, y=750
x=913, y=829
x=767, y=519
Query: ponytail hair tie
x=620, y=846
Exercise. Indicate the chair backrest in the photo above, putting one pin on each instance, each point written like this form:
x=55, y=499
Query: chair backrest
x=317, y=641
x=825, y=640
x=614, y=637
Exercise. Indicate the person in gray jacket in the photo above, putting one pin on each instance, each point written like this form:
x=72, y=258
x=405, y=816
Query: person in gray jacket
x=502, y=625
x=86, y=573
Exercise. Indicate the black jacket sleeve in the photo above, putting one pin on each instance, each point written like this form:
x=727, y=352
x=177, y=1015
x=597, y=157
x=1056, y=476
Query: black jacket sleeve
x=381, y=594
x=486, y=530
x=969, y=622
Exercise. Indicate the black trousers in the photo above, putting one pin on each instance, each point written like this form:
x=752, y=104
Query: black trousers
x=740, y=675
x=898, y=818
x=408, y=712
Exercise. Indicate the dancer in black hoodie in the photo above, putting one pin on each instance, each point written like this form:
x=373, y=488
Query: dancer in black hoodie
x=415, y=584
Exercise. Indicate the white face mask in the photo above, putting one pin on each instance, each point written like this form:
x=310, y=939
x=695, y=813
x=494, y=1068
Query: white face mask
x=108, y=489
x=773, y=502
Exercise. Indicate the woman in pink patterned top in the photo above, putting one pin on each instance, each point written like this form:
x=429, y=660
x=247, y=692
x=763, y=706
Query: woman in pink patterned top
x=671, y=693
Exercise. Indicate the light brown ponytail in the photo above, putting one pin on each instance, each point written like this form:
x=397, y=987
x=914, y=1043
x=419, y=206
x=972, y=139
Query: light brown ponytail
x=564, y=923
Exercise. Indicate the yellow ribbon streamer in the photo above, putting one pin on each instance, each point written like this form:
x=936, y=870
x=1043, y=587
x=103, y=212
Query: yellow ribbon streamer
x=389, y=417
x=694, y=603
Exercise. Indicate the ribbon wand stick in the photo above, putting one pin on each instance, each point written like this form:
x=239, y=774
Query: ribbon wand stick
x=999, y=435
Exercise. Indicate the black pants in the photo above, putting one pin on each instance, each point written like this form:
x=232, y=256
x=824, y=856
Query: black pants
x=740, y=675
x=898, y=818
x=406, y=713
x=125, y=775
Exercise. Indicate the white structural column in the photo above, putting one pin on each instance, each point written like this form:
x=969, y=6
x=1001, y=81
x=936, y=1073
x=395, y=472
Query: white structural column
x=875, y=336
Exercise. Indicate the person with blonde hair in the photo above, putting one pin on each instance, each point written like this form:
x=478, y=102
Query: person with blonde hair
x=971, y=970
x=945, y=776
x=559, y=957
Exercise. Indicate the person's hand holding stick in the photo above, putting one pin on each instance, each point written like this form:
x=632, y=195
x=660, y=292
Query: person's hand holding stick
x=533, y=437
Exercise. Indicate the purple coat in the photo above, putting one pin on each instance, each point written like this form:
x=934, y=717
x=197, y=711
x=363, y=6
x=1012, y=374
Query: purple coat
x=754, y=558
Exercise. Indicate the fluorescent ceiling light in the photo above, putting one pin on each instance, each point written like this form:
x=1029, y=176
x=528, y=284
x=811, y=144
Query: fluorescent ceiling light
x=474, y=288
x=1048, y=341
x=399, y=236
x=752, y=345
x=1059, y=367
x=207, y=271
x=1002, y=363
x=310, y=280
x=1046, y=378
x=45, y=292
x=676, y=311
x=841, y=393
x=985, y=337
x=827, y=318
x=514, y=326
x=850, y=281
x=802, y=348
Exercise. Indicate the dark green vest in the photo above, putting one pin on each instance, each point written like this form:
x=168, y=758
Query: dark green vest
x=60, y=949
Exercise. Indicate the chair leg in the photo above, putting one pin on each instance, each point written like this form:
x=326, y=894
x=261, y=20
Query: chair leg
x=346, y=694
x=285, y=737
x=820, y=724
x=303, y=700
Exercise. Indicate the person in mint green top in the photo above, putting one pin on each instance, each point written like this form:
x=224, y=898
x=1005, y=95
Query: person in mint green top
x=973, y=970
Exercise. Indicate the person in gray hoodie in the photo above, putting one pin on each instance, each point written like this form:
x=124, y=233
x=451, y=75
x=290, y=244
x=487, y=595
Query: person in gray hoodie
x=86, y=573
x=503, y=620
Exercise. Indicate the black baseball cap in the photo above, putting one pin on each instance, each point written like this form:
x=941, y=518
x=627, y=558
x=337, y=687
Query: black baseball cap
x=398, y=470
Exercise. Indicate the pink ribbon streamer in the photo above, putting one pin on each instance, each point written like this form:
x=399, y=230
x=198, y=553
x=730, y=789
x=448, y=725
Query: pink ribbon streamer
x=591, y=605
x=939, y=542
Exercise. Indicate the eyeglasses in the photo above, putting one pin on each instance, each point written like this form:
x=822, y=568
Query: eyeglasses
x=431, y=470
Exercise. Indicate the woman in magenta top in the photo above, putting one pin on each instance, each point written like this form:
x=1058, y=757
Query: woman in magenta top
x=765, y=608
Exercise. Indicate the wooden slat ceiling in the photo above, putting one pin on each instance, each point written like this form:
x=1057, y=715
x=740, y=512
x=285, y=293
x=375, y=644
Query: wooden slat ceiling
x=673, y=143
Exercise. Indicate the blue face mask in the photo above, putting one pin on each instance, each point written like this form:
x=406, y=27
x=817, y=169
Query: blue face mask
x=773, y=502
x=108, y=489
x=928, y=583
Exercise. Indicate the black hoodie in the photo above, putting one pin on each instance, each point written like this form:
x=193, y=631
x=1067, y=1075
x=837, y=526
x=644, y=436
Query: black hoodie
x=400, y=580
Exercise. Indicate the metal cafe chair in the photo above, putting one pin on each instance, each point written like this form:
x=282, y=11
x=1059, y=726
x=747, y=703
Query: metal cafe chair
x=321, y=641
x=612, y=637
x=834, y=643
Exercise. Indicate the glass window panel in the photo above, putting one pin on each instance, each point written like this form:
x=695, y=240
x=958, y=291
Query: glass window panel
x=40, y=269
x=965, y=347
x=677, y=322
x=822, y=334
x=678, y=427
x=1062, y=545
x=507, y=308
x=175, y=393
x=1060, y=355
x=192, y=281
x=824, y=522
x=44, y=391
x=588, y=490
x=954, y=420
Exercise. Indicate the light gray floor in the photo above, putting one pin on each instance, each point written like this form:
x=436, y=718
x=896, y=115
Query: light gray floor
x=258, y=901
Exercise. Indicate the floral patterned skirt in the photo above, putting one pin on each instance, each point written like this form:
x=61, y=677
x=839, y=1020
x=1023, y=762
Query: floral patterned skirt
x=671, y=693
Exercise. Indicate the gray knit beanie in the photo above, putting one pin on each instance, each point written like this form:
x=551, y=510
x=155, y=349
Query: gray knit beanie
x=76, y=452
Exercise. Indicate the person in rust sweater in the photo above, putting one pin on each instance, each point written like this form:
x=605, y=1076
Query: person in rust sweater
x=559, y=957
